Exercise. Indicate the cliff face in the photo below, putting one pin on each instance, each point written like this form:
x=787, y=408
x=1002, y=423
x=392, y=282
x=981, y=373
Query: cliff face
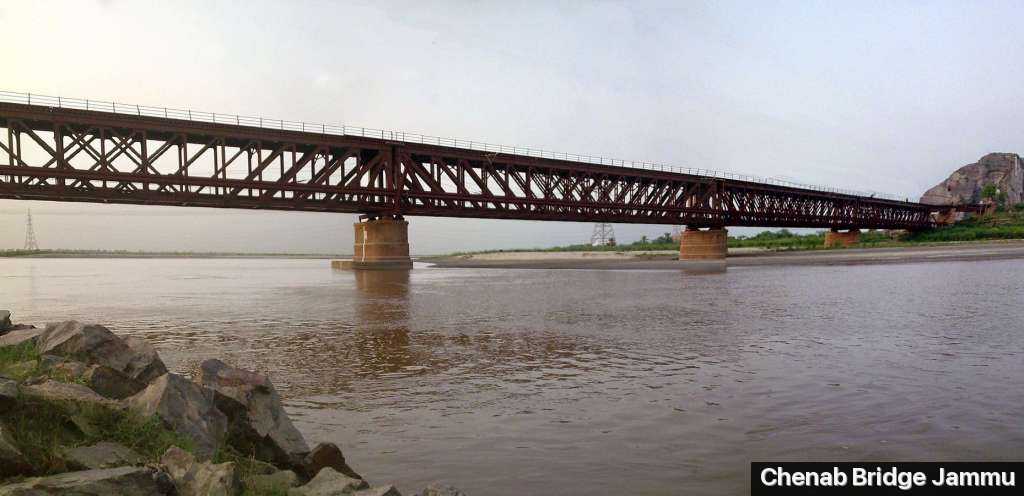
x=964, y=186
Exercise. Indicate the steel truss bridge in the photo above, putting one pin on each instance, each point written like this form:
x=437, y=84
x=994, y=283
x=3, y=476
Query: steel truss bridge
x=49, y=151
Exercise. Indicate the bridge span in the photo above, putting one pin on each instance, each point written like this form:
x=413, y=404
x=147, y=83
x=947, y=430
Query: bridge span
x=81, y=151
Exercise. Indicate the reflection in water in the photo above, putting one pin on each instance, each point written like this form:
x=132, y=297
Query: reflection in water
x=703, y=267
x=382, y=309
x=541, y=382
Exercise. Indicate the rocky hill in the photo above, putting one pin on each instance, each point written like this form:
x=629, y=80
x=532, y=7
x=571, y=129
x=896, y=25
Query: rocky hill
x=964, y=185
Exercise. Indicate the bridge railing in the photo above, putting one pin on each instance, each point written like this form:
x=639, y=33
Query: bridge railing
x=345, y=130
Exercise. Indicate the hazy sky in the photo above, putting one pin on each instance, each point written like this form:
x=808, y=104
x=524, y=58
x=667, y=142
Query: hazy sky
x=885, y=96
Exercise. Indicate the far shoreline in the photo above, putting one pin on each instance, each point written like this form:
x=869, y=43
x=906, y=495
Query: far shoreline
x=743, y=257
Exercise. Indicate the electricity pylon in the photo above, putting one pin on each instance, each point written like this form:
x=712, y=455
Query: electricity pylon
x=31, y=244
x=604, y=235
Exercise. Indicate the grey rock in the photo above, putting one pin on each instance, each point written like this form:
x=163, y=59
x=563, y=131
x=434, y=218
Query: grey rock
x=378, y=491
x=5, y=321
x=110, y=383
x=64, y=370
x=438, y=489
x=144, y=364
x=258, y=421
x=104, y=380
x=16, y=337
x=73, y=398
x=325, y=455
x=123, y=481
x=280, y=481
x=12, y=460
x=1005, y=170
x=329, y=483
x=50, y=390
x=102, y=455
x=8, y=393
x=185, y=407
x=195, y=478
x=95, y=344
x=52, y=362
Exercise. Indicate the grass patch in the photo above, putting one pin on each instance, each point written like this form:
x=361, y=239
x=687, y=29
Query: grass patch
x=20, y=361
x=248, y=468
x=43, y=430
x=146, y=435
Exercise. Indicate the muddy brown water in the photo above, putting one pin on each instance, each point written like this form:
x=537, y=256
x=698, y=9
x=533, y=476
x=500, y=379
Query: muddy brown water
x=508, y=382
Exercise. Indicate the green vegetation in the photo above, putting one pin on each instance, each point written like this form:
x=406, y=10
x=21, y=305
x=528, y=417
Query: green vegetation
x=43, y=430
x=1001, y=225
x=783, y=239
x=248, y=468
x=1006, y=223
x=19, y=362
x=992, y=192
x=663, y=242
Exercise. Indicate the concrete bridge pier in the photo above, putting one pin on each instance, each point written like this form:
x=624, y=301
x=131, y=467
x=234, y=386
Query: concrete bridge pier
x=834, y=238
x=709, y=244
x=381, y=243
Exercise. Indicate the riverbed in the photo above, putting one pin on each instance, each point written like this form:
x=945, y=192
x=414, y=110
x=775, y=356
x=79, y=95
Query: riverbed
x=508, y=381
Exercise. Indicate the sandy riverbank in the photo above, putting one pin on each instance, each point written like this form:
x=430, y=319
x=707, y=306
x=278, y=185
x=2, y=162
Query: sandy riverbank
x=666, y=260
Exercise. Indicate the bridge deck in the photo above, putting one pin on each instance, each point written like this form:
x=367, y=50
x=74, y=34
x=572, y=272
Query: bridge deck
x=62, y=154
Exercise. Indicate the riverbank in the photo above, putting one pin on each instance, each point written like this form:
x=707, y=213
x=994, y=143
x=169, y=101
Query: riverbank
x=83, y=411
x=738, y=257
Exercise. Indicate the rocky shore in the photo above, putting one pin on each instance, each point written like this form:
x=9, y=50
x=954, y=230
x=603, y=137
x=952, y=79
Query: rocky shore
x=85, y=412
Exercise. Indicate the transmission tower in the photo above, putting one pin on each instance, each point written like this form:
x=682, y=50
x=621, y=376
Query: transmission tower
x=604, y=235
x=677, y=232
x=31, y=243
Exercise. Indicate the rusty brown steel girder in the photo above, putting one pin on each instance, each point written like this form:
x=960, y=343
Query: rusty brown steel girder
x=60, y=154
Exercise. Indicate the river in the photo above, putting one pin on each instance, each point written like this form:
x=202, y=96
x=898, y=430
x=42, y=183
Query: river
x=510, y=382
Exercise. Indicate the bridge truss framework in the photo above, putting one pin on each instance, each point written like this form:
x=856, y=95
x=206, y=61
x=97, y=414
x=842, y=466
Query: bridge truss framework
x=49, y=153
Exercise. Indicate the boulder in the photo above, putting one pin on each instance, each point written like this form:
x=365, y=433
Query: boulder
x=61, y=365
x=185, y=407
x=104, y=380
x=5, y=321
x=8, y=393
x=95, y=344
x=110, y=383
x=195, y=478
x=329, y=483
x=325, y=455
x=12, y=460
x=438, y=489
x=102, y=455
x=1004, y=170
x=16, y=337
x=123, y=481
x=50, y=390
x=145, y=364
x=258, y=421
x=277, y=482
